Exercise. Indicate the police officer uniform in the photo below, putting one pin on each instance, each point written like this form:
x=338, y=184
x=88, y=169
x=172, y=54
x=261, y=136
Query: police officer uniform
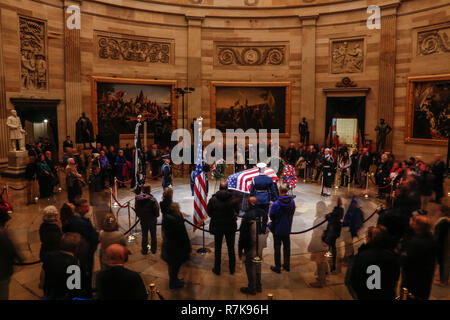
x=166, y=173
x=264, y=189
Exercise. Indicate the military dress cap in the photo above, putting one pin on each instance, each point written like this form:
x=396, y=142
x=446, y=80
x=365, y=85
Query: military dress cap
x=261, y=165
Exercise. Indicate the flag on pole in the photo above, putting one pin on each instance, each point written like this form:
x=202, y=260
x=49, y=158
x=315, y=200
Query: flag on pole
x=200, y=195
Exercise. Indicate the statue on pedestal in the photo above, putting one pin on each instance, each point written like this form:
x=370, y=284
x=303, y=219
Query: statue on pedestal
x=84, y=130
x=303, y=131
x=383, y=130
x=16, y=132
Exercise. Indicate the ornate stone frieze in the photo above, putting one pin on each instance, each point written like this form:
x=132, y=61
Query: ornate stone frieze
x=345, y=82
x=250, y=55
x=33, y=53
x=433, y=41
x=347, y=56
x=133, y=49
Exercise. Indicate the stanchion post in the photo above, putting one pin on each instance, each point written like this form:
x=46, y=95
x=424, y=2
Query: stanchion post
x=110, y=200
x=152, y=291
x=131, y=237
x=367, y=185
x=203, y=249
x=304, y=174
x=269, y=296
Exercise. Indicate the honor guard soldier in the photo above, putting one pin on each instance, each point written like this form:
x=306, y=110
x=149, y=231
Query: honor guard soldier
x=166, y=172
x=264, y=189
x=327, y=173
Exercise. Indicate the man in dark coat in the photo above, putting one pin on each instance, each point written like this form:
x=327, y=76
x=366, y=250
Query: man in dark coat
x=166, y=172
x=438, y=170
x=442, y=238
x=147, y=210
x=249, y=248
x=56, y=266
x=8, y=256
x=223, y=212
x=118, y=282
x=154, y=157
x=67, y=143
x=176, y=247
x=81, y=224
x=418, y=258
x=282, y=214
x=359, y=275
x=292, y=155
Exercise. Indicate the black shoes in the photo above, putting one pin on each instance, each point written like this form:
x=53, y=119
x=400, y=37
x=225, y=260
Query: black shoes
x=232, y=271
x=275, y=269
x=246, y=290
x=216, y=271
x=286, y=268
x=144, y=252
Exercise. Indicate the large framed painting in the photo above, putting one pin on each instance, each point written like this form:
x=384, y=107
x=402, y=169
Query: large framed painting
x=117, y=103
x=428, y=105
x=256, y=105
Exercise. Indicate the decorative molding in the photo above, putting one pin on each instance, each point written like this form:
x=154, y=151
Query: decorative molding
x=433, y=41
x=133, y=48
x=33, y=53
x=345, y=82
x=347, y=56
x=250, y=55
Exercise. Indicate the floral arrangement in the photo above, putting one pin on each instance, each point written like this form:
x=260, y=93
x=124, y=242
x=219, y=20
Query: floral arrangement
x=281, y=165
x=289, y=177
x=218, y=169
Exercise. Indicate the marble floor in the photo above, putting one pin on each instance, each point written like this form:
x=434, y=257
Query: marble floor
x=307, y=249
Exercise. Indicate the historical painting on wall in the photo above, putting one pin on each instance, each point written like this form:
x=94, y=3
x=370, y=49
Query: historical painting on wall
x=347, y=56
x=118, y=102
x=33, y=53
x=248, y=105
x=428, y=104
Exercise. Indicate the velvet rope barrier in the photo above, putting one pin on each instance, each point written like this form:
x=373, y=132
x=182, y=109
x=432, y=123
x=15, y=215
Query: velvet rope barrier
x=27, y=263
x=17, y=188
x=373, y=182
x=115, y=199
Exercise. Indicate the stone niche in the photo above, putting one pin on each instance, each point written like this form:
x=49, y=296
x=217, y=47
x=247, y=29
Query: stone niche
x=347, y=56
x=33, y=53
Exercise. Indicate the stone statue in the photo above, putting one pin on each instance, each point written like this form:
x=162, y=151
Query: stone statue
x=15, y=131
x=383, y=130
x=84, y=130
x=303, y=131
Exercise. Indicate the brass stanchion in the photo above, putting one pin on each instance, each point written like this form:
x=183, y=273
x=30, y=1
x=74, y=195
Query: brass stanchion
x=110, y=200
x=152, y=294
x=304, y=175
x=269, y=296
x=367, y=185
x=131, y=237
x=114, y=191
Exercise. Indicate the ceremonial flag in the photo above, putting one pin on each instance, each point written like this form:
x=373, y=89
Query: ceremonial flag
x=200, y=195
x=242, y=181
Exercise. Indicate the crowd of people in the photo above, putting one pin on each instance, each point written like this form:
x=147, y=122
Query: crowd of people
x=403, y=241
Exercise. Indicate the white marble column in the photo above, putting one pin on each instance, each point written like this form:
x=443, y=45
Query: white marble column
x=193, y=107
x=72, y=64
x=308, y=78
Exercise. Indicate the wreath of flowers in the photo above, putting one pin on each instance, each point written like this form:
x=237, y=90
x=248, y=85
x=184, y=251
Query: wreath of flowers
x=218, y=169
x=281, y=164
x=289, y=177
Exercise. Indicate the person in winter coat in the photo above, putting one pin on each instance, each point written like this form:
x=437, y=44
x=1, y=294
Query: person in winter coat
x=442, y=238
x=249, y=248
x=108, y=236
x=120, y=164
x=147, y=210
x=176, y=247
x=425, y=181
x=223, y=210
x=344, y=167
x=44, y=174
x=418, y=258
x=333, y=230
x=281, y=216
x=374, y=253
x=49, y=232
x=8, y=256
x=354, y=218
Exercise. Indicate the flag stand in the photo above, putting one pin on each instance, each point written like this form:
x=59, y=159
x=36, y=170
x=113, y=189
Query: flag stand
x=203, y=249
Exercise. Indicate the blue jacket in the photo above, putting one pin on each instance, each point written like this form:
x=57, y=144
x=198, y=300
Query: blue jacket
x=264, y=189
x=282, y=214
x=83, y=227
x=354, y=218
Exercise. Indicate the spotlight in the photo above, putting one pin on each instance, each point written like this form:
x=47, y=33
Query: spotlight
x=45, y=120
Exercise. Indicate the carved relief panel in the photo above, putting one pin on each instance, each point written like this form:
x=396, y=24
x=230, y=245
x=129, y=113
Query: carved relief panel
x=433, y=41
x=133, y=48
x=347, y=56
x=251, y=54
x=33, y=54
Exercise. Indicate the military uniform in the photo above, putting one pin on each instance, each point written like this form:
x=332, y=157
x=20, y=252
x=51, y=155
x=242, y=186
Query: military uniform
x=327, y=171
x=264, y=189
x=166, y=172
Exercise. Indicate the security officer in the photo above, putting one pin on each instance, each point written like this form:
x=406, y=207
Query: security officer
x=166, y=172
x=265, y=190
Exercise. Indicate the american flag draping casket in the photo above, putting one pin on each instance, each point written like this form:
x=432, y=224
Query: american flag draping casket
x=242, y=181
